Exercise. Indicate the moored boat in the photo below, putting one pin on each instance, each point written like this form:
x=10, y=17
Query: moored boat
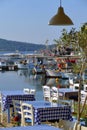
x=3, y=64
x=52, y=73
x=22, y=64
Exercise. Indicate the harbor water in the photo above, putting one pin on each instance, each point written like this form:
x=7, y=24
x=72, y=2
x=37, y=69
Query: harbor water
x=18, y=80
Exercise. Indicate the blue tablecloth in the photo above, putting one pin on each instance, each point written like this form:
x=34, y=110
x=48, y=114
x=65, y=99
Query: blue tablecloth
x=8, y=96
x=45, y=111
x=68, y=93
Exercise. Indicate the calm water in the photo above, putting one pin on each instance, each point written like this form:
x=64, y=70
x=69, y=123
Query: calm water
x=17, y=80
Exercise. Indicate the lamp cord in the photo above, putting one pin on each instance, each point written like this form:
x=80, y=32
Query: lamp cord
x=60, y=3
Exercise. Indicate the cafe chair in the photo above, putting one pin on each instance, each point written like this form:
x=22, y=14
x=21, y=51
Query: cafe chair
x=54, y=94
x=16, y=106
x=26, y=91
x=85, y=87
x=76, y=86
x=32, y=91
x=83, y=97
x=16, y=114
x=27, y=114
x=46, y=93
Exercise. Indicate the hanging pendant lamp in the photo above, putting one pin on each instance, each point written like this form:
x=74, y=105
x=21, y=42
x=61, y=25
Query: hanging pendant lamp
x=60, y=18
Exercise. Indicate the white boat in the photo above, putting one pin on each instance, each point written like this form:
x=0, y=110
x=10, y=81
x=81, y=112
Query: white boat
x=3, y=64
x=54, y=74
x=22, y=64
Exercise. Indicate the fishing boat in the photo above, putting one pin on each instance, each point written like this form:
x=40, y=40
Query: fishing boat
x=52, y=73
x=23, y=64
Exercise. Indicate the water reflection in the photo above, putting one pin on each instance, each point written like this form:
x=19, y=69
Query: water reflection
x=57, y=82
x=22, y=72
x=17, y=80
x=40, y=80
x=32, y=79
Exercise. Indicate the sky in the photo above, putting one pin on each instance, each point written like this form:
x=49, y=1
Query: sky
x=27, y=20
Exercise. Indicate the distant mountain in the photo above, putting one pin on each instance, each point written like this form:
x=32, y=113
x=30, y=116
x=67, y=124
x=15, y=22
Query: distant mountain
x=8, y=45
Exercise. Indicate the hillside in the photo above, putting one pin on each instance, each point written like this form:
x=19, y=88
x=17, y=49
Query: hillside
x=8, y=45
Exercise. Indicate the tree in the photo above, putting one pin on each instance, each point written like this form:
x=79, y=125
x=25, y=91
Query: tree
x=82, y=41
x=78, y=40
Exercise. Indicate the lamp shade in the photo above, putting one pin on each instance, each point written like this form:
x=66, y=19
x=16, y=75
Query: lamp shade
x=60, y=18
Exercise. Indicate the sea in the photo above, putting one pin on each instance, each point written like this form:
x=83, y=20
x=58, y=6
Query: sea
x=20, y=79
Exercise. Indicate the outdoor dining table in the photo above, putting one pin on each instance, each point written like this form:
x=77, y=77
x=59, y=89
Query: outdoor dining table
x=8, y=96
x=46, y=111
x=68, y=93
x=35, y=127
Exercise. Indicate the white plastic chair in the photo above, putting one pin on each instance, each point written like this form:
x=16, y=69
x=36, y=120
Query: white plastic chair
x=17, y=109
x=54, y=94
x=76, y=86
x=46, y=93
x=83, y=96
x=26, y=91
x=16, y=106
x=32, y=91
x=85, y=87
x=27, y=114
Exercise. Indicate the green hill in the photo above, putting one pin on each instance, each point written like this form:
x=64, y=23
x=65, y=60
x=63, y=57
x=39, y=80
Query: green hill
x=8, y=45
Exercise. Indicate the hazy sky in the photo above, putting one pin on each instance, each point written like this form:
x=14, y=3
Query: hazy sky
x=27, y=20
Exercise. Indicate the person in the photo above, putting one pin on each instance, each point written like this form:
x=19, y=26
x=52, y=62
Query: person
x=43, y=69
